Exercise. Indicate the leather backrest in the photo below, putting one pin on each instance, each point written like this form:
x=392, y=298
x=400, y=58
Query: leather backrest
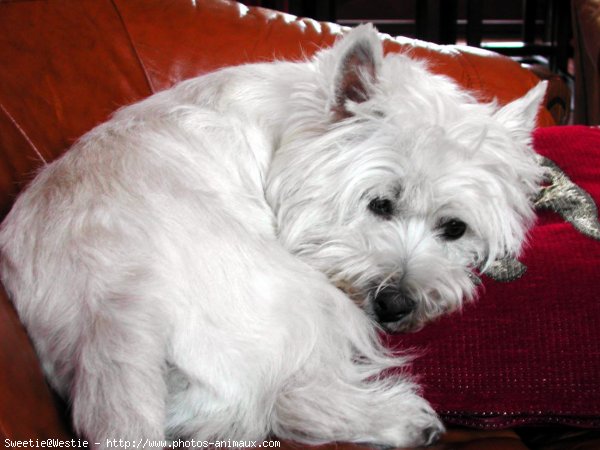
x=66, y=65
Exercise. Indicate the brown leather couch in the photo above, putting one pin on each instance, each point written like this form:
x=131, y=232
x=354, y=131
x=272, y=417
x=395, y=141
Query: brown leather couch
x=66, y=65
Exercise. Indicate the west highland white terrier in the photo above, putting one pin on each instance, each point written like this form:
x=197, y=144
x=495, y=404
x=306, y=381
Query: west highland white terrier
x=215, y=262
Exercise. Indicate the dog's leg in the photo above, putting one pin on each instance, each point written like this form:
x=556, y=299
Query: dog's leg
x=118, y=389
x=340, y=394
x=371, y=412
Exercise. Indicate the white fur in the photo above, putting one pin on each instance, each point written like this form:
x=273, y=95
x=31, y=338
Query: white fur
x=177, y=268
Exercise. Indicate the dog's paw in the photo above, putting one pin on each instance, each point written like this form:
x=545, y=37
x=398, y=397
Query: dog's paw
x=415, y=424
x=432, y=434
x=423, y=429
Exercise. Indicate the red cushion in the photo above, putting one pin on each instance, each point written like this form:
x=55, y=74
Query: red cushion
x=527, y=351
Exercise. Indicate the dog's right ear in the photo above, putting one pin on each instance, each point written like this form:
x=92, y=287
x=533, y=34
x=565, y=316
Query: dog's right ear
x=358, y=57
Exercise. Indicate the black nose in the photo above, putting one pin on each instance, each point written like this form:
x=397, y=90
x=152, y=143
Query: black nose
x=392, y=305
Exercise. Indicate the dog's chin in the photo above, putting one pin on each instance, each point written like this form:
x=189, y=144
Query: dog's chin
x=406, y=325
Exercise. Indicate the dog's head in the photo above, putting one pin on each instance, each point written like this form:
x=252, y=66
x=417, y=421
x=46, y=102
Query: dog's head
x=397, y=184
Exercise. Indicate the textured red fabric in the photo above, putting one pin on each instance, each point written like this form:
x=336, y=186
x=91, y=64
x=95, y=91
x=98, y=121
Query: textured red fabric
x=527, y=351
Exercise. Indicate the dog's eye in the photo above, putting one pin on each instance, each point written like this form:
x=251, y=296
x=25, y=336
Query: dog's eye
x=382, y=207
x=453, y=229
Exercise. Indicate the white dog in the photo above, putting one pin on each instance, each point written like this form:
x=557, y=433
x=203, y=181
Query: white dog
x=213, y=262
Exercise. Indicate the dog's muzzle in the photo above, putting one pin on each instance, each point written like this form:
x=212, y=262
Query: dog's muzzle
x=392, y=305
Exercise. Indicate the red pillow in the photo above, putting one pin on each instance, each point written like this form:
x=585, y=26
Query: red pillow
x=527, y=351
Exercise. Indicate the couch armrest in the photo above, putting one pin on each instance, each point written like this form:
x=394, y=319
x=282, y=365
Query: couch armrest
x=27, y=408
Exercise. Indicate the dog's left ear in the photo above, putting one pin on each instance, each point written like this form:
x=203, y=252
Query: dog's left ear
x=358, y=57
x=519, y=116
